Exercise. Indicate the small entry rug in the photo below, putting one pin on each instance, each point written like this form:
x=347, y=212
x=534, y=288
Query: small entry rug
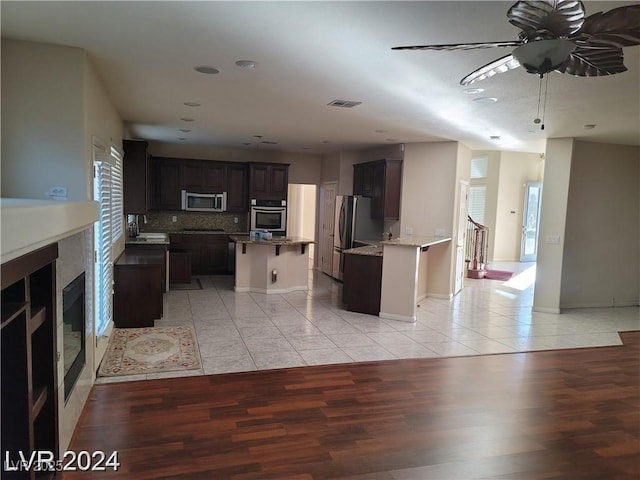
x=498, y=275
x=195, y=284
x=133, y=351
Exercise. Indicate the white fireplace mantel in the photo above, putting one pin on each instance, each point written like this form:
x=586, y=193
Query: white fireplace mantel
x=29, y=224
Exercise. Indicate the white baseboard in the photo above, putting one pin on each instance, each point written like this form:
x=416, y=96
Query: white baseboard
x=400, y=318
x=545, y=310
x=598, y=305
x=299, y=288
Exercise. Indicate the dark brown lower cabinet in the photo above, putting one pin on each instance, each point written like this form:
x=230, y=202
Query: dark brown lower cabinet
x=29, y=361
x=138, y=289
x=362, y=283
x=209, y=251
x=179, y=267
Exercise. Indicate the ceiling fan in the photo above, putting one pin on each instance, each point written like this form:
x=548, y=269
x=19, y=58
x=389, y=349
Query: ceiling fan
x=556, y=36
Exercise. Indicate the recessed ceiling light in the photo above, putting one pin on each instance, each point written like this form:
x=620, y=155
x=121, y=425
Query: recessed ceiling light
x=185, y=130
x=485, y=100
x=589, y=126
x=192, y=104
x=473, y=91
x=495, y=138
x=392, y=139
x=381, y=131
x=206, y=69
x=187, y=119
x=246, y=63
x=344, y=103
x=246, y=144
x=181, y=138
x=324, y=141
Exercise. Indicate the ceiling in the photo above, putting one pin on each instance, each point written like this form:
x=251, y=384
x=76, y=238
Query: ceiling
x=310, y=53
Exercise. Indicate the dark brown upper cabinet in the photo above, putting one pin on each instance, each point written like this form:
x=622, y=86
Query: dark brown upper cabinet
x=214, y=177
x=167, y=184
x=237, y=188
x=382, y=181
x=136, y=172
x=268, y=181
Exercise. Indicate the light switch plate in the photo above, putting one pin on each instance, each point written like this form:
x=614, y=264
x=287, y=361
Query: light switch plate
x=408, y=231
x=552, y=239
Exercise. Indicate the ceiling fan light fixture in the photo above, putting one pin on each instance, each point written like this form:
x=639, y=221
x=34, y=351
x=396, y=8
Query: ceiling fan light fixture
x=543, y=56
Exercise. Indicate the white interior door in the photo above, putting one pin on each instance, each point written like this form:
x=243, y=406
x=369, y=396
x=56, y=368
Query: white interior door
x=460, y=235
x=531, y=222
x=328, y=202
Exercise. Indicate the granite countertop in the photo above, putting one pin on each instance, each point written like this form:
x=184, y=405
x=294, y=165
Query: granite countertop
x=148, y=239
x=416, y=241
x=371, y=250
x=273, y=241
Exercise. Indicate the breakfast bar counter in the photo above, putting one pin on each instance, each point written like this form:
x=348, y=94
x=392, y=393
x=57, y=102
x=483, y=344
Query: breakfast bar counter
x=275, y=265
x=404, y=274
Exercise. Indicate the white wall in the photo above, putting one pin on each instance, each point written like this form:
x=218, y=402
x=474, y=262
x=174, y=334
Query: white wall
x=53, y=106
x=516, y=169
x=43, y=120
x=553, y=218
x=602, y=237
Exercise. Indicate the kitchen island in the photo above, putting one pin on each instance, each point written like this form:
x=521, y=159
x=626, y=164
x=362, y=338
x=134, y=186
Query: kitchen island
x=405, y=273
x=277, y=265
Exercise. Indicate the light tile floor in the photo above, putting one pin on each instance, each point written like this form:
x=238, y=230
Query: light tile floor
x=248, y=331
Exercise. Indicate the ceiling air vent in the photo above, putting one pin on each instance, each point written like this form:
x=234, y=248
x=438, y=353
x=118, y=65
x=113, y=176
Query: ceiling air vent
x=343, y=103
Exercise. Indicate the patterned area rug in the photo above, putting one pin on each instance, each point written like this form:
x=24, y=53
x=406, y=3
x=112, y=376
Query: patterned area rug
x=150, y=350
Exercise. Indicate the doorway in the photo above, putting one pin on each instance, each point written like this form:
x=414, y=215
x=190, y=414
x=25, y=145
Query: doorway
x=328, y=192
x=301, y=215
x=531, y=222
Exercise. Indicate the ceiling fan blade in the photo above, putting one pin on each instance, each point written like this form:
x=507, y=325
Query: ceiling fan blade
x=591, y=62
x=617, y=28
x=559, y=17
x=500, y=65
x=461, y=46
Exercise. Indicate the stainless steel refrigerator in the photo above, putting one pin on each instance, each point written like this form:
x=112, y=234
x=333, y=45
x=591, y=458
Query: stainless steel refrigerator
x=353, y=223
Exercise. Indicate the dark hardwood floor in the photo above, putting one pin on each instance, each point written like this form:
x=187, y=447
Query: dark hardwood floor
x=564, y=414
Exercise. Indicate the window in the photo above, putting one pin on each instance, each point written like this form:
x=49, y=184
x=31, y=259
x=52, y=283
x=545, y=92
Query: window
x=478, y=188
x=107, y=188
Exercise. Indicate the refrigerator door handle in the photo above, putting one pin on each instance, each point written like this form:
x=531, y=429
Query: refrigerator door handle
x=341, y=223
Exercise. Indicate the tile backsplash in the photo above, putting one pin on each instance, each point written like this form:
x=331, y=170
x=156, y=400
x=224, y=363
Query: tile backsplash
x=161, y=221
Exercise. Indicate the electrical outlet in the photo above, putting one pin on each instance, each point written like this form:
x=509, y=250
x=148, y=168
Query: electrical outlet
x=235, y=219
x=174, y=218
x=439, y=232
x=408, y=230
x=58, y=192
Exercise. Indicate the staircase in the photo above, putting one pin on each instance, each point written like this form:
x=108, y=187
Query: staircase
x=476, y=249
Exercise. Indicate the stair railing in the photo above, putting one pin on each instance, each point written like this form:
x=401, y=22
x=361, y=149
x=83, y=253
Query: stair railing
x=476, y=248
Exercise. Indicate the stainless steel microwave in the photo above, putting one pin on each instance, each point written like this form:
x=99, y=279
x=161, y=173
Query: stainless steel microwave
x=204, y=202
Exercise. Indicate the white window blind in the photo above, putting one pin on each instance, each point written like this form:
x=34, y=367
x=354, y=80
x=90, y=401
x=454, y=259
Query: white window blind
x=103, y=240
x=117, y=208
x=477, y=198
x=479, y=167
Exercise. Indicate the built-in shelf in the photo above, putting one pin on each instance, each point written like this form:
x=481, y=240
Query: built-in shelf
x=38, y=317
x=11, y=310
x=39, y=400
x=29, y=408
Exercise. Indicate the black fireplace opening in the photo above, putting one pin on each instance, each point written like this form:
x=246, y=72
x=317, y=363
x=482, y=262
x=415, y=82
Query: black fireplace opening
x=73, y=319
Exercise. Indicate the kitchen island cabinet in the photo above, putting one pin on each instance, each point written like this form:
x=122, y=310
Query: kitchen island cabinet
x=406, y=273
x=362, y=279
x=279, y=265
